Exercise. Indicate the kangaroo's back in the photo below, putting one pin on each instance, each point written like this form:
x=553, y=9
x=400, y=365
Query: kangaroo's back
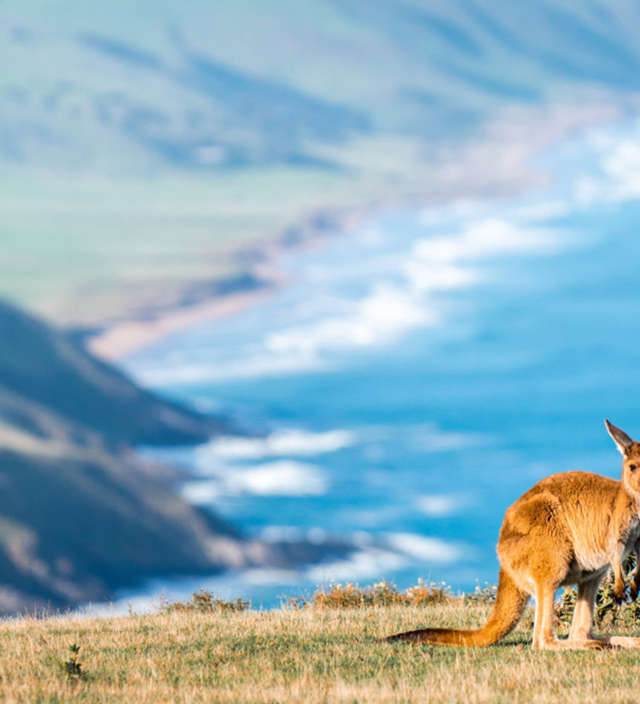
x=570, y=513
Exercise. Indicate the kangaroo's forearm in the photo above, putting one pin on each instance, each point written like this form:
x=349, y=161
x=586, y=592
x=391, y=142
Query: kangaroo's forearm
x=619, y=588
x=634, y=586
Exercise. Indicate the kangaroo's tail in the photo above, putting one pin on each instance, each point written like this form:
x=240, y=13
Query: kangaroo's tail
x=510, y=603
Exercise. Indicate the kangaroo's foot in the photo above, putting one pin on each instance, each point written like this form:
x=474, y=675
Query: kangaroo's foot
x=619, y=641
x=576, y=644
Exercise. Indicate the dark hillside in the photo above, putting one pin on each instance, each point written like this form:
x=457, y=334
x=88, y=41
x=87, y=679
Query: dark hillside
x=80, y=513
x=72, y=529
x=44, y=366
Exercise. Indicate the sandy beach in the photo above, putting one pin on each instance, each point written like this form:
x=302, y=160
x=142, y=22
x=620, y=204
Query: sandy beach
x=122, y=337
x=128, y=336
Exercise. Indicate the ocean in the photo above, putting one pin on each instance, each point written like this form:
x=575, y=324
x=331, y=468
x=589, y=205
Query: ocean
x=416, y=374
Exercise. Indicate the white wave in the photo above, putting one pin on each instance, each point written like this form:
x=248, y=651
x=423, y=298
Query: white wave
x=486, y=238
x=378, y=318
x=373, y=562
x=622, y=167
x=439, y=505
x=424, y=548
x=201, y=492
x=616, y=176
x=428, y=275
x=401, y=298
x=280, y=478
x=289, y=443
x=395, y=552
x=391, y=310
x=496, y=236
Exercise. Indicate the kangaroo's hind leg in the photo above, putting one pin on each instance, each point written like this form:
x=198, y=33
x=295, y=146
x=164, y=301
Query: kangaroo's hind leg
x=543, y=632
x=582, y=624
x=544, y=637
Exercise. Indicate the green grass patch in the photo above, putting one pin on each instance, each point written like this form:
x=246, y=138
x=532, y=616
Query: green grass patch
x=317, y=651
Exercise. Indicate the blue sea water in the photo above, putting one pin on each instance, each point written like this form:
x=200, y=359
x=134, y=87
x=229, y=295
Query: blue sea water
x=415, y=375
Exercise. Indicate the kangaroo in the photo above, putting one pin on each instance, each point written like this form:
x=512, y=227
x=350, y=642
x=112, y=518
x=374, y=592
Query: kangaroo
x=567, y=529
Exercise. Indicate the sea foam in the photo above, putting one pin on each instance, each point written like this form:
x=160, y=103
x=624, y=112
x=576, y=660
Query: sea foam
x=278, y=478
x=439, y=505
x=282, y=443
x=424, y=548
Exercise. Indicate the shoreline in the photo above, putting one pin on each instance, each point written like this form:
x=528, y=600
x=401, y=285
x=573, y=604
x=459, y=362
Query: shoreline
x=261, y=278
x=259, y=264
x=263, y=263
x=128, y=336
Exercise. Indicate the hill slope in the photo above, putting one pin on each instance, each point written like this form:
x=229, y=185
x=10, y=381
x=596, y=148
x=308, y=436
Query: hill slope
x=42, y=368
x=80, y=514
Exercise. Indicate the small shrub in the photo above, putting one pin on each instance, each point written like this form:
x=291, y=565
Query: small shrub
x=73, y=667
x=350, y=595
x=205, y=602
x=481, y=595
x=607, y=613
x=565, y=606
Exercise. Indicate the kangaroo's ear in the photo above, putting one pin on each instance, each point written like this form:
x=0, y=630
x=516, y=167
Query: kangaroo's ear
x=622, y=440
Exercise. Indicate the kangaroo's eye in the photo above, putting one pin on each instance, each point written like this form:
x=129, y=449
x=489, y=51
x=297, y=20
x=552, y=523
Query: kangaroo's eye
x=632, y=467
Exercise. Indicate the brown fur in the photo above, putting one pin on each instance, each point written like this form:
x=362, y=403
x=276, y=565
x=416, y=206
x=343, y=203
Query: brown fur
x=567, y=529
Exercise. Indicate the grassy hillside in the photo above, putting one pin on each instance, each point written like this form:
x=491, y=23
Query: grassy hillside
x=145, y=148
x=45, y=372
x=80, y=514
x=307, y=656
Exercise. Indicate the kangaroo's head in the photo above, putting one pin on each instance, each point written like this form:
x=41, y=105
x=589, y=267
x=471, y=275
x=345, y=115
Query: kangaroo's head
x=630, y=452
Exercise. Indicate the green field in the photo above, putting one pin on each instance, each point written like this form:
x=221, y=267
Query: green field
x=145, y=147
x=308, y=655
x=83, y=250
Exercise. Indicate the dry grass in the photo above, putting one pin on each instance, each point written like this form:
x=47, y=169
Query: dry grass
x=295, y=655
x=349, y=596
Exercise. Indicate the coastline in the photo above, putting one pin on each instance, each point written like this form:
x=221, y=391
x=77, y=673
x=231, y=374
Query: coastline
x=262, y=265
x=127, y=336
x=260, y=278
x=461, y=176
